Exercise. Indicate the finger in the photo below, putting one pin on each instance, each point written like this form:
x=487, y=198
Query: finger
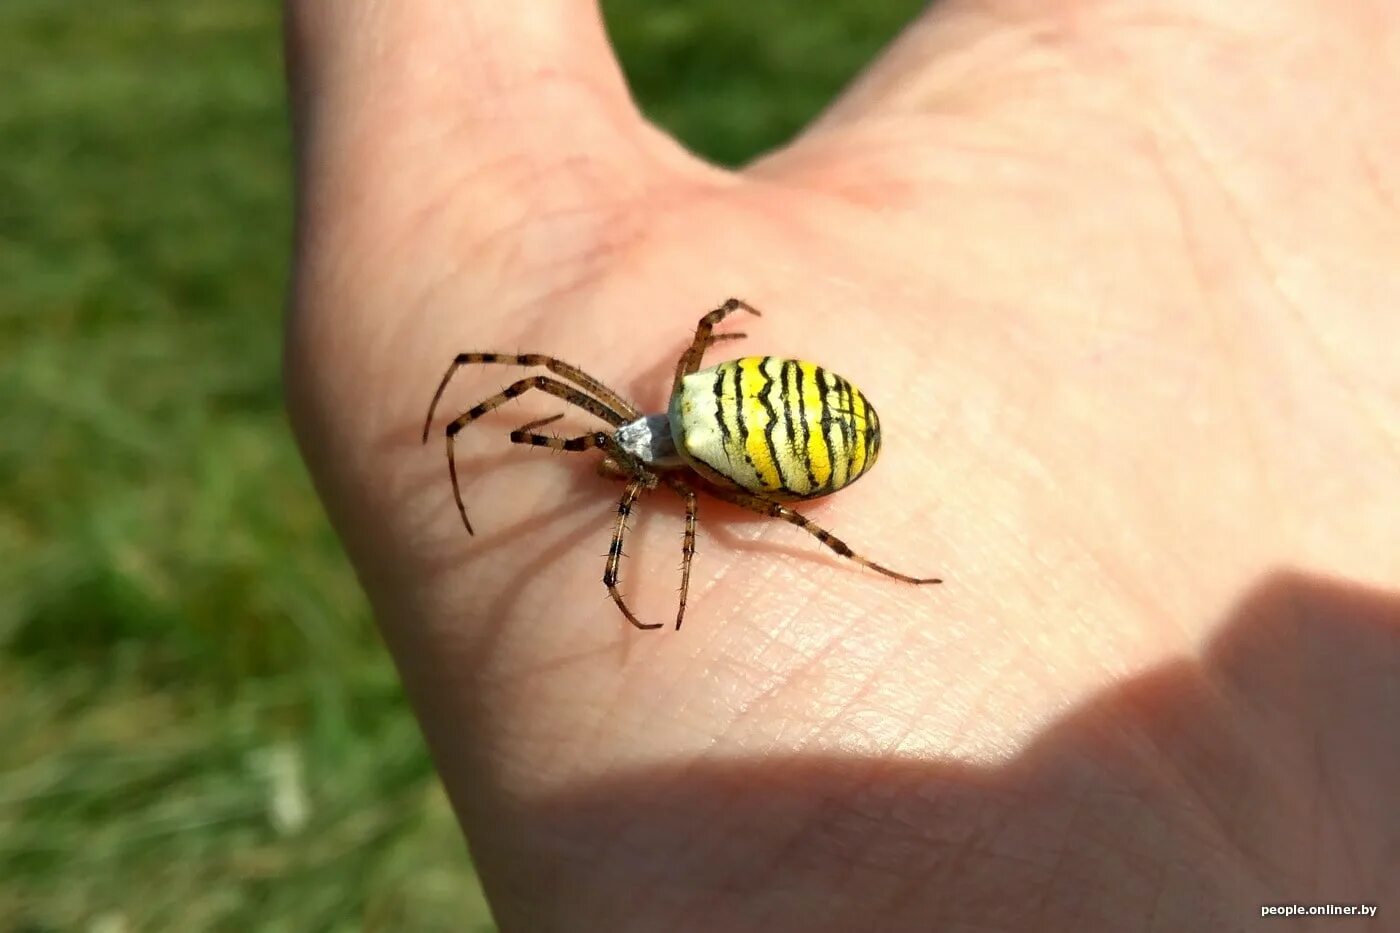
x=388, y=86
x=445, y=54
x=947, y=48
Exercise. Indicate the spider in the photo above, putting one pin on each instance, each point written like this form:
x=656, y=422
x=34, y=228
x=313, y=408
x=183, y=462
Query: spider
x=758, y=431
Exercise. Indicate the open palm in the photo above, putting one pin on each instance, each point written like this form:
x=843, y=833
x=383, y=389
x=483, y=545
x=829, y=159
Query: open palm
x=1122, y=291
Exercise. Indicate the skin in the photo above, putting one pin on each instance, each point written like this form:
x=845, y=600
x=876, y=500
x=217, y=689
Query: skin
x=1121, y=281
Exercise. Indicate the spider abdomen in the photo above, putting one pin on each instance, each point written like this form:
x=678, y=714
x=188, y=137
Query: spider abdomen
x=786, y=429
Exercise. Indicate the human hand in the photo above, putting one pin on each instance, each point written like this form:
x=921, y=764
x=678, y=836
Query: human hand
x=1121, y=285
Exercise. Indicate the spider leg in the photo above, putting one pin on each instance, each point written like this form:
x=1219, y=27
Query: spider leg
x=571, y=444
x=624, y=508
x=539, y=422
x=690, y=359
x=687, y=543
x=610, y=398
x=628, y=467
x=545, y=384
x=637, y=481
x=778, y=510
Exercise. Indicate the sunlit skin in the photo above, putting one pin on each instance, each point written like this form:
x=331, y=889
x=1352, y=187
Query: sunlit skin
x=1122, y=281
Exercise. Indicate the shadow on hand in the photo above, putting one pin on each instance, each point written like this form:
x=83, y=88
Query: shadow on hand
x=1265, y=771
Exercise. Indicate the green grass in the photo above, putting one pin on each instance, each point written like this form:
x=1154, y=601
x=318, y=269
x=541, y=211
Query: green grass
x=201, y=729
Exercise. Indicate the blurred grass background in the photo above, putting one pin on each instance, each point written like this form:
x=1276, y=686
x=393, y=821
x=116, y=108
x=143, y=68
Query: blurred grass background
x=199, y=729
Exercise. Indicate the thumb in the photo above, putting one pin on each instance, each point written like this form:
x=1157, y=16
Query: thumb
x=393, y=100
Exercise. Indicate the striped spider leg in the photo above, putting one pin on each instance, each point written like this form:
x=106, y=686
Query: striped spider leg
x=545, y=384
x=622, y=464
x=638, y=478
x=690, y=359
x=688, y=542
x=609, y=397
x=568, y=371
x=777, y=510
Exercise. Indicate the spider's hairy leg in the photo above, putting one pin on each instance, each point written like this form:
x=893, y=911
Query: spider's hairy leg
x=778, y=510
x=687, y=542
x=624, y=508
x=545, y=384
x=539, y=423
x=568, y=371
x=571, y=444
x=690, y=359
x=638, y=480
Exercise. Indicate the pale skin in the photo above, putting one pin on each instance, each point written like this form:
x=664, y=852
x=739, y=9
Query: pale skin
x=1122, y=281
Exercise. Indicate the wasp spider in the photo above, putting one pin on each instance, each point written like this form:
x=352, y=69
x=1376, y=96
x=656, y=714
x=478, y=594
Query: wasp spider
x=757, y=431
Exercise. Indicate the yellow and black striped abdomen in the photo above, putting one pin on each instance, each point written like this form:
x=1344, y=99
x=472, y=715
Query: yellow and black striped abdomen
x=787, y=429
